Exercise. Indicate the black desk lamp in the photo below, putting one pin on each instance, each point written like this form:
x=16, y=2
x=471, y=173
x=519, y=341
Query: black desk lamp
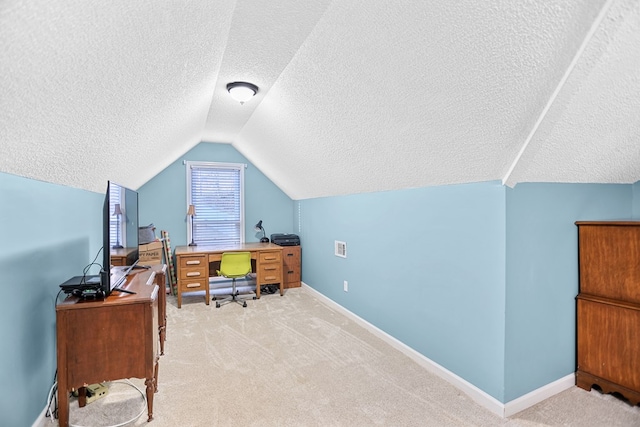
x=259, y=227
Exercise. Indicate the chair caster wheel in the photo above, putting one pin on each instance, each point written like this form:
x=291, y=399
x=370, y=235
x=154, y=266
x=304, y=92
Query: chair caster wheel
x=213, y=299
x=217, y=305
x=244, y=304
x=255, y=297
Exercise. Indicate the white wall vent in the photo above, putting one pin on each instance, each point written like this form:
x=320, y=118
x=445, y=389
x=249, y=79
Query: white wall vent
x=341, y=249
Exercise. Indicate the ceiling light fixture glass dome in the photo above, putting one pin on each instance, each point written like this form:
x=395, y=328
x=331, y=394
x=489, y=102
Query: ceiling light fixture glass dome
x=242, y=91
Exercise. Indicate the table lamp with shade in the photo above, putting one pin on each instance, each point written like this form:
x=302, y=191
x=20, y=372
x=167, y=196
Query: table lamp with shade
x=117, y=212
x=191, y=212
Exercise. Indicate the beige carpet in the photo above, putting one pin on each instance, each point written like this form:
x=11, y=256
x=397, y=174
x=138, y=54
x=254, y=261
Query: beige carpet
x=293, y=361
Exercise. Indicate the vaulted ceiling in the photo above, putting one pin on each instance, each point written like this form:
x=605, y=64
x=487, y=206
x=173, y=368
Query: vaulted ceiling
x=354, y=96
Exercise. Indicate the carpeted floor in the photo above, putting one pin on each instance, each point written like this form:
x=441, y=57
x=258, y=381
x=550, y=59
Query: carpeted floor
x=293, y=361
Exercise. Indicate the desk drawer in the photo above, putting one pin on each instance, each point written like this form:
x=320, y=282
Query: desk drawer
x=190, y=285
x=291, y=278
x=192, y=261
x=272, y=256
x=193, y=273
x=192, y=267
x=269, y=273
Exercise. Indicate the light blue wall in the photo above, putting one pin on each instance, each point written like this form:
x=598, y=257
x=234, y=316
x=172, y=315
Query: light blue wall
x=542, y=276
x=49, y=234
x=636, y=199
x=163, y=199
x=424, y=265
x=479, y=278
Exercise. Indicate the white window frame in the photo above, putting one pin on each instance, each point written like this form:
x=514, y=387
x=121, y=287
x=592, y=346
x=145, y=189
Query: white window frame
x=239, y=167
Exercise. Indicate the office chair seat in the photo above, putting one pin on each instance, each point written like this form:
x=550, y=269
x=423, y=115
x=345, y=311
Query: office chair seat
x=234, y=265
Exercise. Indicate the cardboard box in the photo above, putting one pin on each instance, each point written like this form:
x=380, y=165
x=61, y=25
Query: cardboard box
x=150, y=254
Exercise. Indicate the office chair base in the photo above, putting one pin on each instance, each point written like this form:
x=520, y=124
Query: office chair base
x=235, y=297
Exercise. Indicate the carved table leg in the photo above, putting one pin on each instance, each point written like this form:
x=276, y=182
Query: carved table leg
x=155, y=377
x=150, y=388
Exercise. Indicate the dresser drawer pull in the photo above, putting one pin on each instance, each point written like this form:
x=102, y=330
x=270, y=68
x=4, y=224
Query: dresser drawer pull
x=289, y=254
x=270, y=257
x=194, y=262
x=290, y=271
x=193, y=285
x=270, y=277
x=193, y=273
x=270, y=267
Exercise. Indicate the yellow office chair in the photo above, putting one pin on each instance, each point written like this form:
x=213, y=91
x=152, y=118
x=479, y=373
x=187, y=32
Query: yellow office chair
x=234, y=265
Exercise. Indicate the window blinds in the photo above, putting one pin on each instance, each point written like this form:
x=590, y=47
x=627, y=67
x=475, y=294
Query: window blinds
x=216, y=191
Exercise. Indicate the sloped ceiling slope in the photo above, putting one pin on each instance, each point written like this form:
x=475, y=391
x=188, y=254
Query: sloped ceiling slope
x=94, y=90
x=355, y=96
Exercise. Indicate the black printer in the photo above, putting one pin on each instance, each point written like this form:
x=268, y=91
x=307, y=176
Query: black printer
x=284, y=239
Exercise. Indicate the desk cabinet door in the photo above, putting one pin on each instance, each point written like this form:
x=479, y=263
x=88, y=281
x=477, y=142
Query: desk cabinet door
x=291, y=264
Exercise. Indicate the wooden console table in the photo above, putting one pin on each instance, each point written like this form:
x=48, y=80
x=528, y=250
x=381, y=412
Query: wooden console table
x=194, y=266
x=113, y=338
x=123, y=256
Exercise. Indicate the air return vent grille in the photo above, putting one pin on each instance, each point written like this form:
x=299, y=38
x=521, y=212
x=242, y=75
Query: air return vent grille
x=341, y=249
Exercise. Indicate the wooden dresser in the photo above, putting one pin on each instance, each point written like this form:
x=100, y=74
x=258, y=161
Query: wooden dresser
x=608, y=307
x=291, y=264
x=118, y=337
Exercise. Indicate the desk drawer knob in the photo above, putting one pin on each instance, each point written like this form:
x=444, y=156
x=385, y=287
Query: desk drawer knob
x=194, y=262
x=193, y=274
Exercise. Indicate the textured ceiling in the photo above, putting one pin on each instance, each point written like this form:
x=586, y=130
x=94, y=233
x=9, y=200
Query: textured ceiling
x=355, y=96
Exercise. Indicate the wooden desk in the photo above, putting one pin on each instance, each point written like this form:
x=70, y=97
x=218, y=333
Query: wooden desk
x=197, y=263
x=114, y=338
x=123, y=256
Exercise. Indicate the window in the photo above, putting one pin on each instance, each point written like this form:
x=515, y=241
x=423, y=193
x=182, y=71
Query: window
x=216, y=190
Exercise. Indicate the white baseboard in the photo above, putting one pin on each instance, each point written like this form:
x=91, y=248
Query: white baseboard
x=538, y=395
x=477, y=395
x=42, y=419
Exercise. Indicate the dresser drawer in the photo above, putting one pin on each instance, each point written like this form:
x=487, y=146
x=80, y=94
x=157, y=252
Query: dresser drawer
x=190, y=285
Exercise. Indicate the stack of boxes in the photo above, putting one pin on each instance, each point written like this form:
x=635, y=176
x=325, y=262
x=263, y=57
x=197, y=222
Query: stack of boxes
x=150, y=254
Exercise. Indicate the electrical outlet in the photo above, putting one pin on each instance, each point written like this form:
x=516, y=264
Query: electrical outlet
x=346, y=286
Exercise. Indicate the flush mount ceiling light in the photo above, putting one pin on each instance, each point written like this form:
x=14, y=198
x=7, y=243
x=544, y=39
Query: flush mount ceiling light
x=242, y=91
